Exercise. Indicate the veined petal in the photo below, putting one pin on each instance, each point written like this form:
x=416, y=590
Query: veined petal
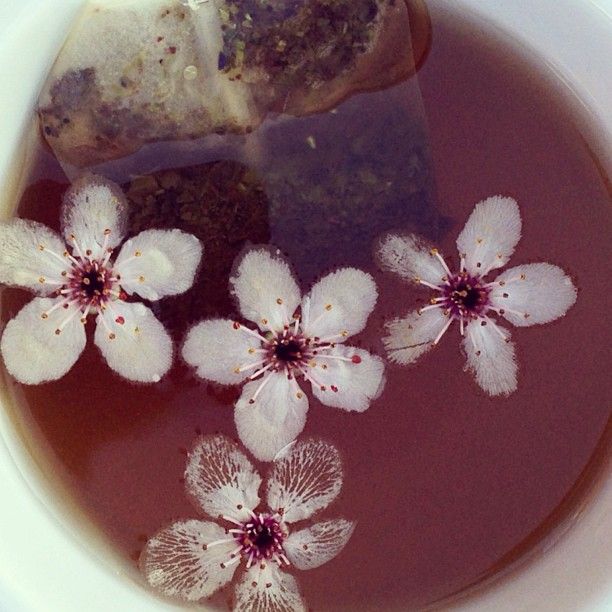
x=408, y=338
x=218, y=349
x=266, y=588
x=411, y=258
x=304, y=480
x=276, y=417
x=266, y=291
x=31, y=256
x=347, y=377
x=179, y=563
x=490, y=357
x=33, y=350
x=312, y=547
x=94, y=215
x=220, y=479
x=133, y=342
x=533, y=294
x=490, y=235
x=339, y=304
x=157, y=263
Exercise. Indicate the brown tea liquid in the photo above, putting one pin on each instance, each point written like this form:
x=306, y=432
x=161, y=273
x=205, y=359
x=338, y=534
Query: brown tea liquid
x=446, y=483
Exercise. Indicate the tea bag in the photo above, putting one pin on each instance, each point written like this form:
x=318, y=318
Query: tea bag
x=134, y=72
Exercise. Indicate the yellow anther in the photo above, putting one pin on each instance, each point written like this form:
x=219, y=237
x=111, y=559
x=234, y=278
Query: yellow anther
x=279, y=301
x=137, y=254
x=111, y=336
x=107, y=232
x=44, y=315
x=328, y=307
x=141, y=279
x=41, y=247
x=42, y=280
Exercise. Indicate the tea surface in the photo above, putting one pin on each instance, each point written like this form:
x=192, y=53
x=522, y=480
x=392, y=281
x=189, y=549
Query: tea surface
x=445, y=482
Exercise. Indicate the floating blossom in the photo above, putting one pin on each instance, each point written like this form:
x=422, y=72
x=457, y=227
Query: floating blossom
x=192, y=559
x=294, y=340
x=82, y=278
x=525, y=295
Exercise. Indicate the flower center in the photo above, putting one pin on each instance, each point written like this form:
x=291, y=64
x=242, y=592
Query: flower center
x=261, y=538
x=289, y=350
x=258, y=539
x=465, y=296
x=89, y=284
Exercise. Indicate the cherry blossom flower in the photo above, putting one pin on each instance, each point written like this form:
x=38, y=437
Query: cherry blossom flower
x=295, y=339
x=192, y=559
x=82, y=277
x=529, y=294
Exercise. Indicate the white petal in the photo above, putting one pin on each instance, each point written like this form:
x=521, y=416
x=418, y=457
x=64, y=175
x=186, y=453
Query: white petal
x=31, y=252
x=345, y=384
x=490, y=357
x=220, y=478
x=177, y=562
x=266, y=290
x=411, y=258
x=340, y=303
x=217, y=349
x=268, y=590
x=32, y=350
x=490, y=235
x=276, y=418
x=537, y=293
x=95, y=213
x=133, y=342
x=157, y=263
x=312, y=547
x=408, y=338
x=305, y=480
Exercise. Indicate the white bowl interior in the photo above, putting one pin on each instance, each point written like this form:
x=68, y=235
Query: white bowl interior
x=45, y=567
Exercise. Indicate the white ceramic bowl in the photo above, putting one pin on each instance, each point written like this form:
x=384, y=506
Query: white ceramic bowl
x=45, y=565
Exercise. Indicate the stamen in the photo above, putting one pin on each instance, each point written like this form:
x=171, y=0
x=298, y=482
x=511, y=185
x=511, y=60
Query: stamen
x=430, y=285
x=264, y=382
x=436, y=253
x=229, y=519
x=443, y=331
x=430, y=307
x=261, y=371
x=252, y=332
x=245, y=368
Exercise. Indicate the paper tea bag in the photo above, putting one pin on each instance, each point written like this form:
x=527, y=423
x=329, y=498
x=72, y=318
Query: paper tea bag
x=134, y=72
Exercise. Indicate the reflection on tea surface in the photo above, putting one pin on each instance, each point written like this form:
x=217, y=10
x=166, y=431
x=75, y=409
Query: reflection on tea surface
x=445, y=483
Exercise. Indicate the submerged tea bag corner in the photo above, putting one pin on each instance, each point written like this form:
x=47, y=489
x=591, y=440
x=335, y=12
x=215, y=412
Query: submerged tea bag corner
x=146, y=71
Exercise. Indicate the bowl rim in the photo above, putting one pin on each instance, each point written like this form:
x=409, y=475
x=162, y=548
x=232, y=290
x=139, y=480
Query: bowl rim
x=38, y=533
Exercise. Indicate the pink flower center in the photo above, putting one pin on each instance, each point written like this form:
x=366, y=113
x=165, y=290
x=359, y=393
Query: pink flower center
x=465, y=296
x=261, y=538
x=89, y=284
x=258, y=539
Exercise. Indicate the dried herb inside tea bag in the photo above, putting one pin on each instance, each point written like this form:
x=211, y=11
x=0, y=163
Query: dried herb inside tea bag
x=223, y=204
x=157, y=70
x=337, y=181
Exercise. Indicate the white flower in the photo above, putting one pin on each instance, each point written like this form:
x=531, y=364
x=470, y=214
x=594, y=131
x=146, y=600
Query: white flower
x=83, y=278
x=308, y=344
x=192, y=559
x=525, y=295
